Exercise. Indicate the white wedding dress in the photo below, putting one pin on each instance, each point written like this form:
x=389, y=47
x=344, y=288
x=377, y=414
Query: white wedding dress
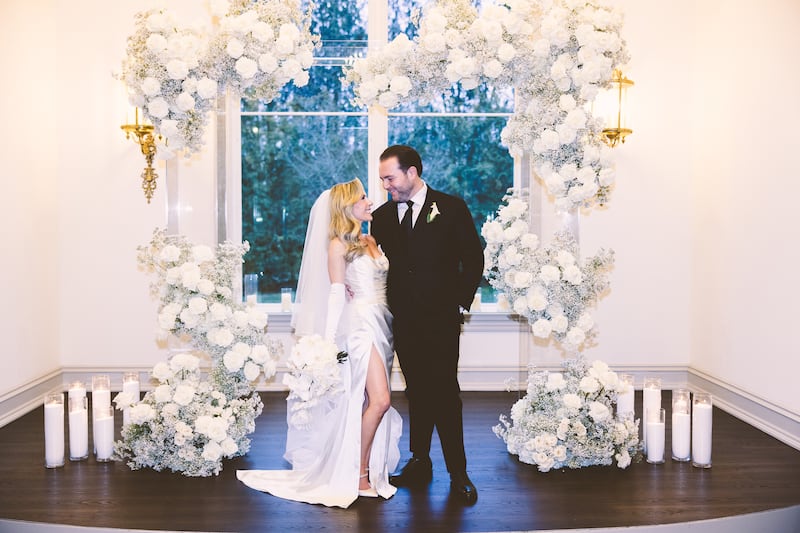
x=325, y=458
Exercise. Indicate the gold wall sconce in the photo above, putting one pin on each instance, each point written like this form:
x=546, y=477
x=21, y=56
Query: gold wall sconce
x=147, y=143
x=612, y=106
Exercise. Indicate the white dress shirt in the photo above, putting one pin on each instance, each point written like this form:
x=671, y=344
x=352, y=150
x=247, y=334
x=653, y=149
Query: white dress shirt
x=419, y=202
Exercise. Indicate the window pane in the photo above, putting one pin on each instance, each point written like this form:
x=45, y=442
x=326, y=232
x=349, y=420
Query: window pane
x=286, y=163
x=461, y=156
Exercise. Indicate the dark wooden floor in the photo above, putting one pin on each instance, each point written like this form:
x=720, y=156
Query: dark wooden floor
x=751, y=472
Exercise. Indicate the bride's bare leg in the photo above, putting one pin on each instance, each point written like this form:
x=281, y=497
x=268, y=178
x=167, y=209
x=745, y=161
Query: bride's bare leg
x=378, y=402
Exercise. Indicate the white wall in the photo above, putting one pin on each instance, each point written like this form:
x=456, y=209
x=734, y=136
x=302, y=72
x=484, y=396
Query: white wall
x=690, y=218
x=30, y=188
x=746, y=247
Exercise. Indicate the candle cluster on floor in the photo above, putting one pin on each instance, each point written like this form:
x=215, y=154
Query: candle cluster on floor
x=78, y=420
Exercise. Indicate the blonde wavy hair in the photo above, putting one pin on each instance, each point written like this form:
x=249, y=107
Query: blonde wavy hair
x=344, y=225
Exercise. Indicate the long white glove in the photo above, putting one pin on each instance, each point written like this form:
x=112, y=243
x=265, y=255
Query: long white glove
x=336, y=302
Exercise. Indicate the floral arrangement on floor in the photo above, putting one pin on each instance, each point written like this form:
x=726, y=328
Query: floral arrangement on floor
x=566, y=419
x=314, y=377
x=174, y=73
x=547, y=284
x=556, y=53
x=188, y=424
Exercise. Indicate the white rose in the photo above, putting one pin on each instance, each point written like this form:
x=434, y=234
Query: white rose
x=156, y=43
x=240, y=318
x=588, y=385
x=207, y=88
x=151, y=86
x=537, y=298
x=572, y=401
x=246, y=67
x=262, y=31
x=433, y=43
x=177, y=69
x=267, y=63
x=229, y=447
x=520, y=305
x=185, y=102
x=251, y=371
x=162, y=393
x=585, y=322
x=205, y=286
x=189, y=319
x=541, y=328
x=550, y=140
x=220, y=311
x=284, y=45
x=184, y=394
x=301, y=79
x=400, y=85
x=220, y=336
x=212, y=451
x=522, y=280
x=233, y=360
x=141, y=413
x=573, y=274
x=575, y=336
x=158, y=107
x=256, y=318
x=506, y=52
x=190, y=275
x=549, y=273
x=492, y=68
x=598, y=411
x=529, y=240
x=235, y=48
x=555, y=381
x=388, y=100
x=162, y=371
x=169, y=129
x=184, y=361
x=606, y=177
x=559, y=323
x=259, y=353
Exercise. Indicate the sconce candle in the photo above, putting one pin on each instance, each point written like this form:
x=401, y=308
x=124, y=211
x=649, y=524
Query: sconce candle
x=78, y=428
x=625, y=398
x=54, y=430
x=651, y=400
x=701, y=430
x=681, y=425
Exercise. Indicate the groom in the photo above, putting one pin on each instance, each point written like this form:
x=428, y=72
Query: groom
x=436, y=264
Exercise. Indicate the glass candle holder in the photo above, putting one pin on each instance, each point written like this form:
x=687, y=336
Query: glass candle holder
x=251, y=289
x=701, y=430
x=651, y=400
x=77, y=389
x=78, y=428
x=286, y=299
x=654, y=421
x=681, y=425
x=103, y=433
x=625, y=396
x=54, y=430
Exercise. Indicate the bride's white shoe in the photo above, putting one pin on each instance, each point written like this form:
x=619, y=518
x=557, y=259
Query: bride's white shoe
x=367, y=493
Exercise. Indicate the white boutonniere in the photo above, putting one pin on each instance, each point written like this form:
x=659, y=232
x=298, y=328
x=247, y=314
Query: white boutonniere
x=434, y=213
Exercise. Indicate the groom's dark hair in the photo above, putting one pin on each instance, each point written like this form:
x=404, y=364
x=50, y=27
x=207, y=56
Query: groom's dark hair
x=406, y=156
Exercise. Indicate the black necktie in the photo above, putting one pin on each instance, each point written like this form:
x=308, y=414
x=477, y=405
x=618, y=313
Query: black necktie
x=407, y=218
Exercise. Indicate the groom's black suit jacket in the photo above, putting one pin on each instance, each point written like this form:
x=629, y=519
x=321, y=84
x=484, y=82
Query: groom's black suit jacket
x=441, y=268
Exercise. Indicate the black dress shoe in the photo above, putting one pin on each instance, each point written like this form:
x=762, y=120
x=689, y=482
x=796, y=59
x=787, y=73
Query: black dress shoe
x=417, y=472
x=462, y=488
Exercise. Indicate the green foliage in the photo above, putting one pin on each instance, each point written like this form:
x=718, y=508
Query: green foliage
x=288, y=160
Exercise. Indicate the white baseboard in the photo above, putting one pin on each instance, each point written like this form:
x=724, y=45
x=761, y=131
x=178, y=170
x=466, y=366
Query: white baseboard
x=767, y=417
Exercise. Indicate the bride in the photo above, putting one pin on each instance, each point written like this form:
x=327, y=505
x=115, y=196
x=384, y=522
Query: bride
x=351, y=445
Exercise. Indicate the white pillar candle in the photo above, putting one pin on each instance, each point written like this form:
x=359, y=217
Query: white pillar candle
x=101, y=398
x=701, y=430
x=655, y=435
x=502, y=303
x=681, y=425
x=651, y=399
x=104, y=433
x=77, y=390
x=286, y=299
x=78, y=429
x=625, y=396
x=54, y=430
